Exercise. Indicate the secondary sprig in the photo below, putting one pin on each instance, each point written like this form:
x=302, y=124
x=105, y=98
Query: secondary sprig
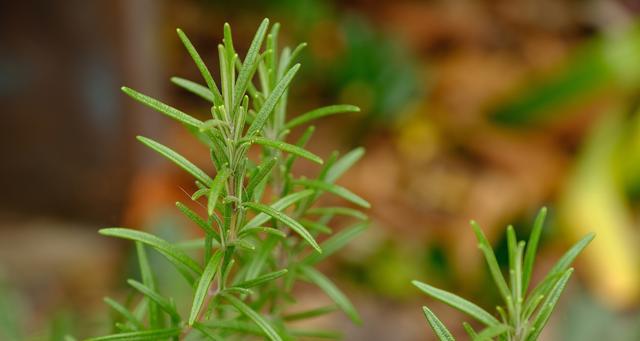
x=525, y=312
x=261, y=224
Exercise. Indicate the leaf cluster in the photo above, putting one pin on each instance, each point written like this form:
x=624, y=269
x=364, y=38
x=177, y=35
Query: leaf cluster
x=525, y=312
x=261, y=224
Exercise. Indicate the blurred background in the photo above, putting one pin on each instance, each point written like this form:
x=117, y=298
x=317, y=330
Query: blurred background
x=470, y=109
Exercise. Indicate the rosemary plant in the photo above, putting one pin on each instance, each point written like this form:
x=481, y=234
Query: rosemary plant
x=525, y=313
x=261, y=223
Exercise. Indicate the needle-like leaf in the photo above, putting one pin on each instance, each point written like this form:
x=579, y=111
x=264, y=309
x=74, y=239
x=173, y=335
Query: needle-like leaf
x=163, y=108
x=458, y=302
x=332, y=291
x=335, y=243
x=250, y=63
x=438, y=327
x=547, y=307
x=201, y=67
x=178, y=159
x=343, y=164
x=279, y=205
x=262, y=279
x=216, y=188
x=137, y=325
x=334, y=189
x=561, y=266
x=307, y=314
x=203, y=285
x=263, y=171
x=147, y=279
x=253, y=315
x=492, y=262
x=193, y=88
x=156, y=334
x=162, y=302
x=175, y=255
x=532, y=245
x=270, y=103
x=285, y=219
x=285, y=147
x=345, y=211
x=320, y=112
x=491, y=332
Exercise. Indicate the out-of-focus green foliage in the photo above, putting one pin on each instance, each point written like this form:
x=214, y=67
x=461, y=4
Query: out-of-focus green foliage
x=609, y=61
x=595, y=200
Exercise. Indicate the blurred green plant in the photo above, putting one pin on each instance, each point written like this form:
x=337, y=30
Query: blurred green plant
x=598, y=197
x=15, y=318
x=250, y=262
x=525, y=313
x=604, y=62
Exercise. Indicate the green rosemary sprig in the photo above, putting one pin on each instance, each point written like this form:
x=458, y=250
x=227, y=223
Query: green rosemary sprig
x=525, y=312
x=261, y=224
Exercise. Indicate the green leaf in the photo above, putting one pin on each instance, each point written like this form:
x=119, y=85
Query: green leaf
x=253, y=315
x=203, y=285
x=163, y=108
x=335, y=243
x=334, y=189
x=458, y=302
x=307, y=314
x=155, y=318
x=233, y=325
x=193, y=87
x=316, y=334
x=156, y=334
x=263, y=171
x=532, y=245
x=332, y=291
x=208, y=124
x=178, y=159
x=285, y=219
x=270, y=103
x=296, y=52
x=315, y=226
x=197, y=220
x=561, y=266
x=175, y=255
x=344, y=164
x=260, y=258
x=250, y=63
x=567, y=259
x=286, y=147
x=162, y=302
x=203, y=330
x=279, y=205
x=191, y=244
x=549, y=304
x=491, y=332
x=264, y=229
x=201, y=67
x=345, y=211
x=472, y=333
x=262, y=279
x=302, y=141
x=216, y=187
x=492, y=262
x=320, y=112
x=124, y=312
x=438, y=327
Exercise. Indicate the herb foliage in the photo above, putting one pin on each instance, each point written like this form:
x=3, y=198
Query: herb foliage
x=261, y=223
x=525, y=312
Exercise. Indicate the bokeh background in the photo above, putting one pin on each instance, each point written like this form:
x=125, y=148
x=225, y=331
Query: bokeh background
x=470, y=109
